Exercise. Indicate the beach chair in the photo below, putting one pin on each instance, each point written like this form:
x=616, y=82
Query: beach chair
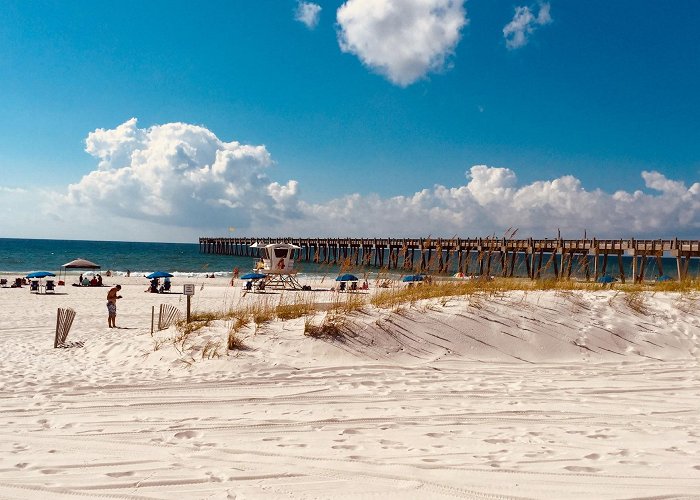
x=353, y=286
x=34, y=286
x=249, y=286
x=261, y=286
x=166, y=286
x=3, y=283
x=50, y=286
x=342, y=286
x=17, y=283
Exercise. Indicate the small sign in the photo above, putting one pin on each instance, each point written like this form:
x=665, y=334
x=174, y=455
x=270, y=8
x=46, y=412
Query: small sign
x=188, y=289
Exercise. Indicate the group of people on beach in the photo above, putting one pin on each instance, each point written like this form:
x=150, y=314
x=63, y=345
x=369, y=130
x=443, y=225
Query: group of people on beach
x=155, y=286
x=95, y=281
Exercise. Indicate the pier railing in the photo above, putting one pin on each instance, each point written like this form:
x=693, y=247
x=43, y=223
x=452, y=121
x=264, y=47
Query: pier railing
x=478, y=256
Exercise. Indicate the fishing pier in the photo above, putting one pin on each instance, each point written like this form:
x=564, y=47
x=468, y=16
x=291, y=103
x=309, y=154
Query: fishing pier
x=560, y=258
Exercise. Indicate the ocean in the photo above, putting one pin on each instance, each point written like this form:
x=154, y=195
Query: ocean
x=26, y=255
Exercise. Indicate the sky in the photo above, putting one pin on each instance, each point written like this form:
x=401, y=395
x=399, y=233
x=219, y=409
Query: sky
x=170, y=120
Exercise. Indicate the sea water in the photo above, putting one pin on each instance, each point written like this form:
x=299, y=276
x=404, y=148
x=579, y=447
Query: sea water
x=26, y=255
x=19, y=256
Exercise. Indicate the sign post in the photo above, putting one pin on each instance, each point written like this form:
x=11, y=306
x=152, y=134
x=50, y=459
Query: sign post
x=188, y=290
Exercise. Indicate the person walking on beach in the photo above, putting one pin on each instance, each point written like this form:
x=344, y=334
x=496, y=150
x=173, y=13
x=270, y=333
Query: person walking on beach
x=112, y=306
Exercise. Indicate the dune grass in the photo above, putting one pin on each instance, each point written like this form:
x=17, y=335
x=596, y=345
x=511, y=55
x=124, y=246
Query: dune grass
x=397, y=297
x=333, y=326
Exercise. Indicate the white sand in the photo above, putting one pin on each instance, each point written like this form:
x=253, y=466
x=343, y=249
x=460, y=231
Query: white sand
x=538, y=395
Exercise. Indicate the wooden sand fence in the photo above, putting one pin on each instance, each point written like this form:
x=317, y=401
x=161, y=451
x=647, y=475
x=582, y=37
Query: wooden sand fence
x=64, y=322
x=167, y=315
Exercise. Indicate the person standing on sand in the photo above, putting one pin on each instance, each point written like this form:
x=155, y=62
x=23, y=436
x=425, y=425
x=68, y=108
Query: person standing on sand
x=112, y=306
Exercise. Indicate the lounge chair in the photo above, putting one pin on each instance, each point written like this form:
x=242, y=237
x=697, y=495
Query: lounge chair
x=166, y=286
x=34, y=286
x=3, y=283
x=249, y=286
x=342, y=286
x=50, y=286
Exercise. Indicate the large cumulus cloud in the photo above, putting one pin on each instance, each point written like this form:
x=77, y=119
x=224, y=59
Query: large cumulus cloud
x=401, y=39
x=491, y=202
x=182, y=175
x=181, y=179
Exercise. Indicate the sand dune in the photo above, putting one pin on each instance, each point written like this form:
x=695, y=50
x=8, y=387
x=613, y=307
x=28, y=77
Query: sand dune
x=520, y=395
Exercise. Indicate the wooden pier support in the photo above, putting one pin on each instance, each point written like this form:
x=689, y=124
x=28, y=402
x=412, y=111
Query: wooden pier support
x=560, y=258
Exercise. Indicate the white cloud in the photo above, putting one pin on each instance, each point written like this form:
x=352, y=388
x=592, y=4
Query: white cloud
x=308, y=13
x=180, y=175
x=175, y=182
x=491, y=201
x=401, y=39
x=5, y=189
x=523, y=24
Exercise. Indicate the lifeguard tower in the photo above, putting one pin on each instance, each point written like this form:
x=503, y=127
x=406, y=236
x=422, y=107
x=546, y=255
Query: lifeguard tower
x=277, y=263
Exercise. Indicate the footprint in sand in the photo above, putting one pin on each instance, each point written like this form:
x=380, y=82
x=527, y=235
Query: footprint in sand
x=592, y=456
x=498, y=441
x=186, y=434
x=600, y=436
x=576, y=468
x=120, y=474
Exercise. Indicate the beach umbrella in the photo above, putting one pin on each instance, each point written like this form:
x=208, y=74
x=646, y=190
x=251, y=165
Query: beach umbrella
x=412, y=277
x=664, y=277
x=606, y=279
x=159, y=274
x=39, y=274
x=81, y=264
x=346, y=277
x=253, y=276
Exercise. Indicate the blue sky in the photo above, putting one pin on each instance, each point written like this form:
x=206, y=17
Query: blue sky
x=596, y=91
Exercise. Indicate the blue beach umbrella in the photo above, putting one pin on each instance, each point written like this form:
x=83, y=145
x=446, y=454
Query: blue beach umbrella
x=413, y=277
x=664, y=277
x=39, y=274
x=159, y=274
x=253, y=276
x=606, y=279
x=346, y=277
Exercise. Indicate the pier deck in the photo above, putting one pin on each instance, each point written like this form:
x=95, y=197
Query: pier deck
x=476, y=256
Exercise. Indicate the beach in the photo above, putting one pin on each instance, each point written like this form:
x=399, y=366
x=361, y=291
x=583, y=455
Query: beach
x=538, y=394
